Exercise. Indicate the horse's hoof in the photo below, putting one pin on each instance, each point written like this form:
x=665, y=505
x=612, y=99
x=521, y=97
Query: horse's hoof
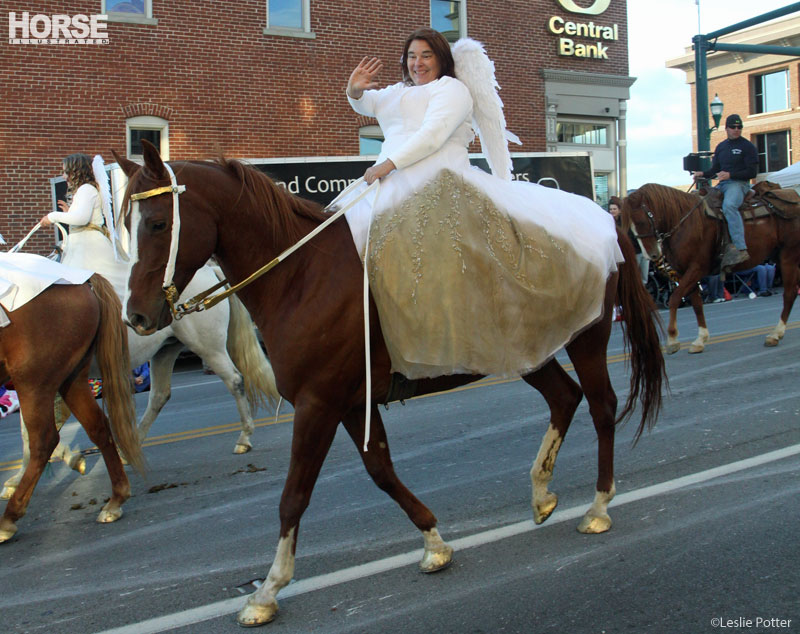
x=241, y=448
x=109, y=515
x=770, y=342
x=78, y=464
x=7, y=530
x=544, y=509
x=8, y=491
x=435, y=560
x=695, y=349
x=253, y=614
x=593, y=524
x=672, y=348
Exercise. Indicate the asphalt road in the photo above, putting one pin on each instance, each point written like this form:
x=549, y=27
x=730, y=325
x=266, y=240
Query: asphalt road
x=705, y=519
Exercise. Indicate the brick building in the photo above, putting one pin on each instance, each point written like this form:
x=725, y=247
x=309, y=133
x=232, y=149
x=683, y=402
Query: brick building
x=258, y=79
x=763, y=89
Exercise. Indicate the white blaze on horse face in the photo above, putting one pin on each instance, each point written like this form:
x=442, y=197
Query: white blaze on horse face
x=133, y=259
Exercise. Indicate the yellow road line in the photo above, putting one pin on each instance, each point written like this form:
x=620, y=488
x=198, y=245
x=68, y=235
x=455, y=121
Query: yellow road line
x=489, y=381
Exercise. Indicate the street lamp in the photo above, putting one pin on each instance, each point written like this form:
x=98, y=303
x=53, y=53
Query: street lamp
x=716, y=107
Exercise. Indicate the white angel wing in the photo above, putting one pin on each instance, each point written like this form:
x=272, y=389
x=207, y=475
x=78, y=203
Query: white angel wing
x=104, y=187
x=476, y=71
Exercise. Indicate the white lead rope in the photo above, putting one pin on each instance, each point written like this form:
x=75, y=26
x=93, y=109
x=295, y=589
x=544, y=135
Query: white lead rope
x=22, y=242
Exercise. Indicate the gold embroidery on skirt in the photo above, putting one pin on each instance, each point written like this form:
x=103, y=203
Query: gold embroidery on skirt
x=461, y=287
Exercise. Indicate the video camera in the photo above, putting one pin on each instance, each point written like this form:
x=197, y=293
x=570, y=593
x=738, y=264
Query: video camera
x=693, y=162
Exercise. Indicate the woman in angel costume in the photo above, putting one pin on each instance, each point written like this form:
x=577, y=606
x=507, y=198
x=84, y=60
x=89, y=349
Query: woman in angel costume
x=92, y=242
x=471, y=272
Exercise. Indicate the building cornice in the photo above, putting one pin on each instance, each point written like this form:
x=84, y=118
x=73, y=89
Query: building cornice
x=596, y=79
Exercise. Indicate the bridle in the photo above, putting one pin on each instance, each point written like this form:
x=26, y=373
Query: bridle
x=168, y=285
x=662, y=237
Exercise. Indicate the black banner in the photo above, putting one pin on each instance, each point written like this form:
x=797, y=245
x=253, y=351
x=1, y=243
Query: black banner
x=323, y=179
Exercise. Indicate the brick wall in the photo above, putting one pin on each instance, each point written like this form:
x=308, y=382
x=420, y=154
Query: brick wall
x=225, y=87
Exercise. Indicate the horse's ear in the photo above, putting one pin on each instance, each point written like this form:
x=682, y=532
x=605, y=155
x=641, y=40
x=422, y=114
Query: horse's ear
x=152, y=161
x=127, y=166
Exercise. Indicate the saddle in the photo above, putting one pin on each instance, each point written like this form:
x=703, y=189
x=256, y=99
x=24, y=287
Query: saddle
x=763, y=200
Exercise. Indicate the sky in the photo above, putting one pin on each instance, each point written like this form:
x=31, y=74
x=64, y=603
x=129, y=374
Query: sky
x=659, y=119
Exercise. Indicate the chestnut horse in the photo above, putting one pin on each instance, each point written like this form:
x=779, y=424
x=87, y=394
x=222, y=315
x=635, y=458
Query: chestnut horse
x=672, y=224
x=310, y=313
x=43, y=356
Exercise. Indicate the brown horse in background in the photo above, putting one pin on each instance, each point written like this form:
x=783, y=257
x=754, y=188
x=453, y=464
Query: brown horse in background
x=673, y=224
x=310, y=313
x=47, y=349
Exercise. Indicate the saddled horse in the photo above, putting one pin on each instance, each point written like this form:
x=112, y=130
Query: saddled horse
x=43, y=359
x=310, y=313
x=673, y=225
x=224, y=337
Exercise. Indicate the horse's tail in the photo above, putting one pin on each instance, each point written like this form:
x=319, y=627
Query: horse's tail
x=641, y=328
x=113, y=358
x=248, y=356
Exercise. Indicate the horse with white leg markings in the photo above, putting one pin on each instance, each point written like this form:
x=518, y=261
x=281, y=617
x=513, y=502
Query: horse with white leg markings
x=311, y=314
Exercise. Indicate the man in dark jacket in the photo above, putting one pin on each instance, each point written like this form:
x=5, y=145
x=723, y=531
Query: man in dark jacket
x=735, y=163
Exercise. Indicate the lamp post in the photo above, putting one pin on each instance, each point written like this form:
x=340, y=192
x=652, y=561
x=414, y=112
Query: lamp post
x=716, y=106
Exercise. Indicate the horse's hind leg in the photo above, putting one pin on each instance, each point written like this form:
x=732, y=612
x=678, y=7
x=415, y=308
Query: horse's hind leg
x=79, y=399
x=563, y=396
x=378, y=461
x=161, y=366
x=790, y=272
x=63, y=451
x=314, y=429
x=38, y=414
x=588, y=355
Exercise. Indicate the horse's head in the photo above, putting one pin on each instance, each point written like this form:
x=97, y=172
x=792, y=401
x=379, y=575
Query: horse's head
x=169, y=239
x=639, y=218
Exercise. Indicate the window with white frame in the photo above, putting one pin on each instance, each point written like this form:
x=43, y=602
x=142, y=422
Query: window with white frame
x=138, y=11
x=147, y=128
x=771, y=91
x=449, y=17
x=370, y=140
x=289, y=17
x=774, y=150
x=582, y=133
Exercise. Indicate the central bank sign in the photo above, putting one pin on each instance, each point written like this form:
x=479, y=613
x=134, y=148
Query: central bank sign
x=578, y=37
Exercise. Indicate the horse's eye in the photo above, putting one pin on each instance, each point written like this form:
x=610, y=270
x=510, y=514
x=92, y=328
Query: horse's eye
x=158, y=226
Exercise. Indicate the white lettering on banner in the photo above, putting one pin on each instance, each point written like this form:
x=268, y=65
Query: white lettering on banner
x=45, y=29
x=567, y=47
x=597, y=8
x=558, y=25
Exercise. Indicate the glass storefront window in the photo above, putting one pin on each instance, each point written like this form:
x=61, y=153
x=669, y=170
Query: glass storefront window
x=771, y=91
x=774, y=150
x=577, y=133
x=447, y=17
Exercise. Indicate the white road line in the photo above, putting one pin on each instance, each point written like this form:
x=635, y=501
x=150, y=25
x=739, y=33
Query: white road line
x=229, y=606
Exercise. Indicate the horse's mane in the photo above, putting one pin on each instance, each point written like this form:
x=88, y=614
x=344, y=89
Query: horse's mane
x=666, y=203
x=283, y=210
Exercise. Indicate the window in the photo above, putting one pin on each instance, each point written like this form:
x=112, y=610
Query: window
x=153, y=129
x=771, y=91
x=577, y=133
x=601, y=189
x=370, y=140
x=449, y=17
x=288, y=17
x=774, y=150
x=137, y=11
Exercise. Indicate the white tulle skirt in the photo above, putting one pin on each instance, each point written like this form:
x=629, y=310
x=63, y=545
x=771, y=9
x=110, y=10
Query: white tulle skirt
x=92, y=250
x=474, y=274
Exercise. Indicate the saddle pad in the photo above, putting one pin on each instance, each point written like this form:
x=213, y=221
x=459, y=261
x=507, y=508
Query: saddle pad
x=24, y=275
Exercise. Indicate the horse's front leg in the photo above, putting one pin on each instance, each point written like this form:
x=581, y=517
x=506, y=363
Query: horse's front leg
x=314, y=429
x=37, y=411
x=699, y=344
x=673, y=345
x=437, y=554
x=161, y=366
x=223, y=367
